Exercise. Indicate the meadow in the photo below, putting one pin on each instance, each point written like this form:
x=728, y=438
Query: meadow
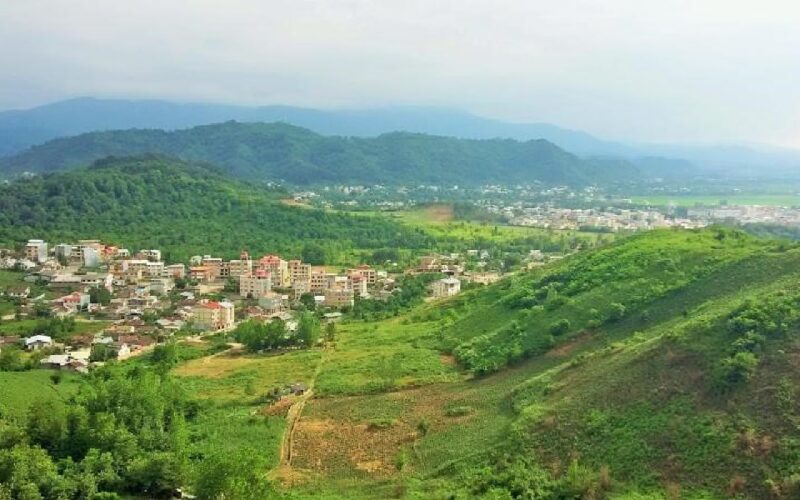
x=19, y=389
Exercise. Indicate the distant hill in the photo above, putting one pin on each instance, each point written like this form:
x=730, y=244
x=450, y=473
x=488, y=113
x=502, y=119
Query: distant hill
x=24, y=128
x=20, y=129
x=287, y=153
x=184, y=208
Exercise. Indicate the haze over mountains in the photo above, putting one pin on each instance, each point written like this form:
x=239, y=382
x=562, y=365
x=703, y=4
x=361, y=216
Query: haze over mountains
x=24, y=128
x=282, y=152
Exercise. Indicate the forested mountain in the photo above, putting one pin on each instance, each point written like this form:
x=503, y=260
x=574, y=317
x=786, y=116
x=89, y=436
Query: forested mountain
x=258, y=151
x=184, y=208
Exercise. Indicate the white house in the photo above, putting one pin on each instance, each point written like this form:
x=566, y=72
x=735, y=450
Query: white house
x=38, y=342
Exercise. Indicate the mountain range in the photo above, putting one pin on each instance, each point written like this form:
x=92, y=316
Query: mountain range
x=20, y=129
x=286, y=153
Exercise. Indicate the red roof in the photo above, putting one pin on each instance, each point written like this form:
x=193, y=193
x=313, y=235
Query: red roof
x=212, y=304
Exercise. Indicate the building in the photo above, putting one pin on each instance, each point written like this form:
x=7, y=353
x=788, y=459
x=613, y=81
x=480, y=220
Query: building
x=321, y=281
x=299, y=272
x=365, y=272
x=38, y=342
x=271, y=303
x=278, y=268
x=212, y=315
x=63, y=252
x=152, y=255
x=160, y=286
x=174, y=271
x=240, y=267
x=90, y=257
x=341, y=297
x=256, y=286
x=36, y=251
x=216, y=267
x=446, y=287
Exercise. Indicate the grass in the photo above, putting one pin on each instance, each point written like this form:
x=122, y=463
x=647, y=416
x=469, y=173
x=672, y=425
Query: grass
x=225, y=377
x=26, y=327
x=382, y=356
x=19, y=389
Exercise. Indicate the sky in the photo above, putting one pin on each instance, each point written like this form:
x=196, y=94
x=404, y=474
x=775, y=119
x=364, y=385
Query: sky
x=635, y=70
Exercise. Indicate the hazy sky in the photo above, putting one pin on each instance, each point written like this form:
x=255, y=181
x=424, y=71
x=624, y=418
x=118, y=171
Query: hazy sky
x=650, y=70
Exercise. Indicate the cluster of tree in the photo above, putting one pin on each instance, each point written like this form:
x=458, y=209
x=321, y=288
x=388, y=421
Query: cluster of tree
x=260, y=336
x=635, y=272
x=152, y=202
x=750, y=327
x=410, y=291
x=123, y=433
x=299, y=156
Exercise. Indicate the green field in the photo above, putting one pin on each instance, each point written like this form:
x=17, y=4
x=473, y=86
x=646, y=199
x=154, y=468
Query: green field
x=786, y=200
x=19, y=389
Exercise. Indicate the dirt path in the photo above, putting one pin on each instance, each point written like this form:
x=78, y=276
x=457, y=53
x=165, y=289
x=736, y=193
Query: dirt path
x=284, y=468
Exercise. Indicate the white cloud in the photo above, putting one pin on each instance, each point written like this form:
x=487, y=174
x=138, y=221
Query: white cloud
x=668, y=70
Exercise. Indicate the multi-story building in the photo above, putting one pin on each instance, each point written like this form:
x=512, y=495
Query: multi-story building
x=212, y=315
x=359, y=285
x=63, y=251
x=240, y=267
x=36, y=250
x=366, y=272
x=341, y=297
x=152, y=254
x=320, y=281
x=299, y=272
x=214, y=265
x=278, y=268
x=255, y=286
x=174, y=271
x=90, y=257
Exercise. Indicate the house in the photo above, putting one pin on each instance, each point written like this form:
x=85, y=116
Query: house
x=446, y=287
x=366, y=272
x=38, y=342
x=271, y=303
x=55, y=361
x=73, y=302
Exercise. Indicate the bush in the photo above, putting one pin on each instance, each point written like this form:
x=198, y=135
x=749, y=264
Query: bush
x=560, y=327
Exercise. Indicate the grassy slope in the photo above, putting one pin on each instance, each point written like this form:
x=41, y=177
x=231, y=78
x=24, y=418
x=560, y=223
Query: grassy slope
x=19, y=389
x=635, y=396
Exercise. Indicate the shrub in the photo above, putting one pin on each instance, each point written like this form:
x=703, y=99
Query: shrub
x=560, y=327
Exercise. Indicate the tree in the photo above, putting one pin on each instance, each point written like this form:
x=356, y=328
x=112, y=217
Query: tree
x=102, y=353
x=11, y=359
x=232, y=476
x=330, y=332
x=313, y=254
x=308, y=329
x=308, y=302
x=99, y=295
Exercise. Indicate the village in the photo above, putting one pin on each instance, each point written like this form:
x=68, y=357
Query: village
x=135, y=300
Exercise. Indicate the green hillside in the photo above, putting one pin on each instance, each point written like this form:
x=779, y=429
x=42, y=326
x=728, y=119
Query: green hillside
x=298, y=156
x=682, y=384
x=183, y=208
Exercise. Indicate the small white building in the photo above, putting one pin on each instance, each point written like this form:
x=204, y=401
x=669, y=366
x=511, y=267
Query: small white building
x=38, y=342
x=446, y=287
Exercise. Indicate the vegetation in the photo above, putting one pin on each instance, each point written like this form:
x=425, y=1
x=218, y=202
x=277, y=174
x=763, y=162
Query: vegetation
x=295, y=155
x=137, y=203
